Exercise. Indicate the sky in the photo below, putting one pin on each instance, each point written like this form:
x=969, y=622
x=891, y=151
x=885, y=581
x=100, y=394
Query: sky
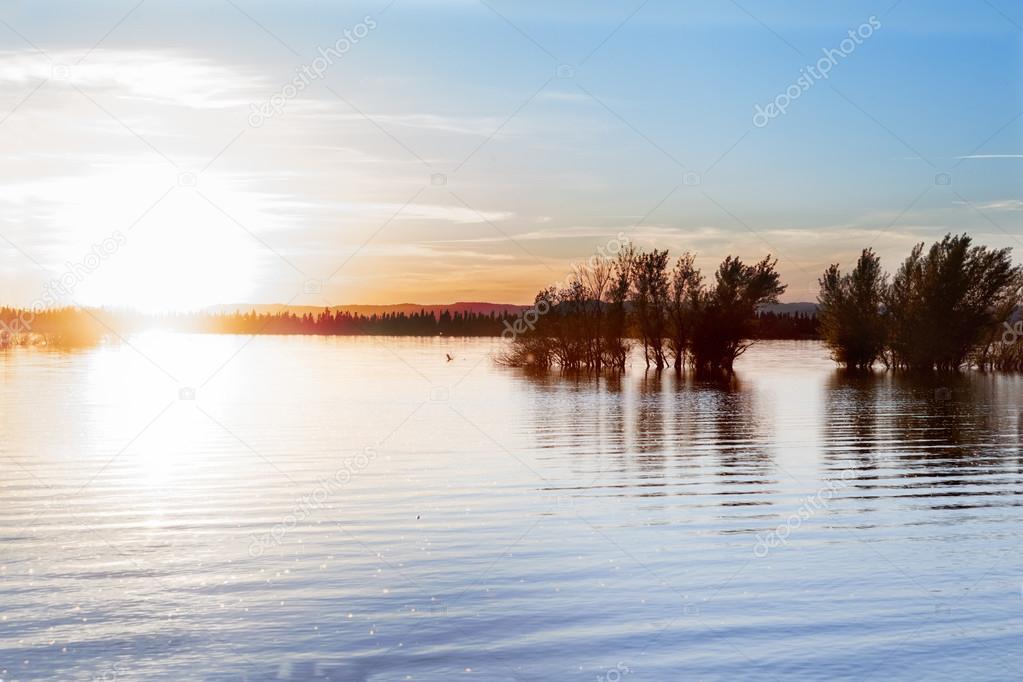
x=171, y=155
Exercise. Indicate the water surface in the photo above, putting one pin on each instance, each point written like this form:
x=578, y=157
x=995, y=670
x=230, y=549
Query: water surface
x=226, y=508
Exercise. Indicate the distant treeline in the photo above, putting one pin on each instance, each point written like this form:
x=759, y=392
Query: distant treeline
x=423, y=323
x=336, y=323
x=20, y=326
x=797, y=325
x=75, y=326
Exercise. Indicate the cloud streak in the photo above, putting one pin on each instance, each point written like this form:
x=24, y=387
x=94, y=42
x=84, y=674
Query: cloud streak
x=159, y=77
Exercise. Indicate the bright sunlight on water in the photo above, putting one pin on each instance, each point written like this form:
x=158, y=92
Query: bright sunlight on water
x=220, y=508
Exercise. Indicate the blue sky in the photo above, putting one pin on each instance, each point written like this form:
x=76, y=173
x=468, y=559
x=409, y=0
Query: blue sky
x=554, y=125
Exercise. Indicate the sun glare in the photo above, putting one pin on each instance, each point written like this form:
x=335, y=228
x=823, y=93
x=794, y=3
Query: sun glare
x=188, y=252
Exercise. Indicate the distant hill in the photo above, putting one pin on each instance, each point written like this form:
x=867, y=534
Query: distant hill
x=477, y=307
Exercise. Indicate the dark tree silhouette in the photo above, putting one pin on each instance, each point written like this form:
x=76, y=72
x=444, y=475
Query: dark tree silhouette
x=649, y=300
x=946, y=305
x=850, y=311
x=943, y=310
x=725, y=321
x=683, y=297
x=584, y=325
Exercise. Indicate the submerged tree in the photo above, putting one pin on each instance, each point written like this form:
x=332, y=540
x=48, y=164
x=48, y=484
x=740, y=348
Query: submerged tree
x=650, y=296
x=683, y=296
x=581, y=324
x=726, y=316
x=947, y=304
x=850, y=312
x=587, y=324
x=616, y=342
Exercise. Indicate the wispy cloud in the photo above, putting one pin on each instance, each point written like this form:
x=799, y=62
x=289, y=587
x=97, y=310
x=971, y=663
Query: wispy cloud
x=1001, y=205
x=991, y=156
x=381, y=211
x=554, y=234
x=451, y=214
x=332, y=110
x=432, y=252
x=161, y=77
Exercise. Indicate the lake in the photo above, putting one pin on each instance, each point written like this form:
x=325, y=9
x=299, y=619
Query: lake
x=224, y=508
